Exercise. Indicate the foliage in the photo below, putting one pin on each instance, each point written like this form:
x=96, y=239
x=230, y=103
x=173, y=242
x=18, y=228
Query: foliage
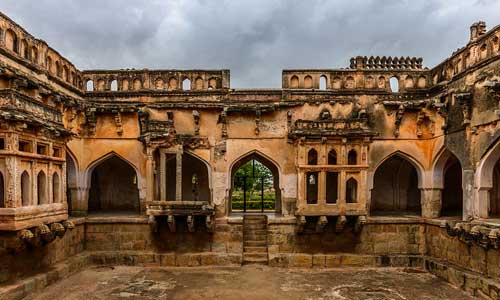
x=253, y=178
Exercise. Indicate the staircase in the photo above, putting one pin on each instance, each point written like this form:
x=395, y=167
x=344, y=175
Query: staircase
x=255, y=240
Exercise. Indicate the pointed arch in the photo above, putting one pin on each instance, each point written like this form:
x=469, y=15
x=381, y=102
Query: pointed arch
x=113, y=184
x=312, y=157
x=41, y=184
x=351, y=190
x=396, y=186
x=265, y=160
x=56, y=188
x=447, y=177
x=332, y=157
x=488, y=182
x=72, y=180
x=25, y=189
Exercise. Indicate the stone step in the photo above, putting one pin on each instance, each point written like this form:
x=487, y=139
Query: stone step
x=254, y=217
x=255, y=231
x=250, y=249
x=255, y=227
x=255, y=244
x=258, y=255
x=255, y=261
x=254, y=221
x=255, y=237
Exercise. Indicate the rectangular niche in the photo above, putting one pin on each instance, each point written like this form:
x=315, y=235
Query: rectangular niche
x=42, y=149
x=332, y=187
x=25, y=146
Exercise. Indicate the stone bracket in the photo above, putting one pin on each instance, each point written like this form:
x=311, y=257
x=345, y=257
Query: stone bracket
x=481, y=235
x=321, y=224
x=301, y=224
x=341, y=221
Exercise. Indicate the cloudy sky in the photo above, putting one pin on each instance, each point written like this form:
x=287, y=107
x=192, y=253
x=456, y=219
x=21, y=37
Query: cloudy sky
x=255, y=39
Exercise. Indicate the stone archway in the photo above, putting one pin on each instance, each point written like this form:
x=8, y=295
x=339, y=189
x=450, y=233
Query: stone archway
x=259, y=175
x=447, y=177
x=395, y=188
x=113, y=187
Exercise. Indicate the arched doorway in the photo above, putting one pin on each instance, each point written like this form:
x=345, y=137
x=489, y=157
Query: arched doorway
x=452, y=193
x=494, y=205
x=395, y=188
x=255, y=185
x=113, y=187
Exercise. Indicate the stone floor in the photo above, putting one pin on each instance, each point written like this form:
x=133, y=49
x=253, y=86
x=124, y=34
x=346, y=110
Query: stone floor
x=250, y=282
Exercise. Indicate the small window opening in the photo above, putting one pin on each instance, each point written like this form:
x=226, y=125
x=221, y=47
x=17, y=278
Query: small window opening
x=25, y=146
x=332, y=157
x=322, y=83
x=114, y=85
x=394, y=83
x=352, y=157
x=41, y=149
x=351, y=191
x=186, y=84
x=312, y=157
x=57, y=152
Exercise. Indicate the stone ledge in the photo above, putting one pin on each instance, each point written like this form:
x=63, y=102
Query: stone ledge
x=139, y=219
x=475, y=284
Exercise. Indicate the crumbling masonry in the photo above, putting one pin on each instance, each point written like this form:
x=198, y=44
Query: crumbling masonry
x=382, y=163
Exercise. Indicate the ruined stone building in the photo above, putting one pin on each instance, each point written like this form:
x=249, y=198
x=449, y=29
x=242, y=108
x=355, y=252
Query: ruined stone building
x=384, y=162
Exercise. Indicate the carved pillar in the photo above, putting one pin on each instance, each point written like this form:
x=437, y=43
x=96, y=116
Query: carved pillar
x=178, y=175
x=163, y=176
x=149, y=175
x=12, y=178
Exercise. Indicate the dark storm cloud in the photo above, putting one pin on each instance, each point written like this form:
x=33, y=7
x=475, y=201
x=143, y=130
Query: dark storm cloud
x=255, y=38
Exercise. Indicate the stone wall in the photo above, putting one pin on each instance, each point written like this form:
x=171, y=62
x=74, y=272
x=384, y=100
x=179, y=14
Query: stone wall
x=34, y=260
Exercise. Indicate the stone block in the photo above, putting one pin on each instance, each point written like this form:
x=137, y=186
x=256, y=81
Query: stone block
x=300, y=260
x=333, y=261
x=167, y=259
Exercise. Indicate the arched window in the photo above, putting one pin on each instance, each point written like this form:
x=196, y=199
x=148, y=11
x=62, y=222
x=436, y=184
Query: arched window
x=352, y=157
x=56, y=188
x=394, y=84
x=125, y=85
x=172, y=84
x=58, y=69
x=186, y=84
x=312, y=157
x=113, y=186
x=422, y=82
x=41, y=181
x=90, y=86
x=350, y=83
x=2, y=190
x=198, y=83
x=212, y=83
x=114, y=85
x=294, y=82
x=25, y=49
x=351, y=191
x=48, y=64
x=332, y=157
x=409, y=82
x=308, y=82
x=395, y=188
x=25, y=189
x=11, y=41
x=34, y=54
x=137, y=84
x=322, y=82
x=159, y=84
x=483, y=51
x=66, y=74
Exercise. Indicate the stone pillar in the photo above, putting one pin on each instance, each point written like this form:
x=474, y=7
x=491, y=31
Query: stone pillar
x=178, y=175
x=79, y=200
x=430, y=200
x=322, y=187
x=12, y=182
x=468, y=194
x=163, y=176
x=150, y=177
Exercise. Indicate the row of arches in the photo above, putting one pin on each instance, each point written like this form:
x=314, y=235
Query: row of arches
x=396, y=187
x=312, y=157
x=173, y=83
x=42, y=189
x=30, y=52
x=406, y=81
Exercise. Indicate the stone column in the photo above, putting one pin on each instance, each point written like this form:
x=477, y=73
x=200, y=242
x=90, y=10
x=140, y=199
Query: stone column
x=178, y=175
x=430, y=200
x=468, y=194
x=163, y=176
x=149, y=175
x=322, y=187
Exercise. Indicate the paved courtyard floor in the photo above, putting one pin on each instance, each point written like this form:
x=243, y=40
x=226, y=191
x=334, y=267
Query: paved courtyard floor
x=250, y=282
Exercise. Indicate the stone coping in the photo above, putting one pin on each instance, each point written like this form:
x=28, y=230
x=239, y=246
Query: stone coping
x=106, y=219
